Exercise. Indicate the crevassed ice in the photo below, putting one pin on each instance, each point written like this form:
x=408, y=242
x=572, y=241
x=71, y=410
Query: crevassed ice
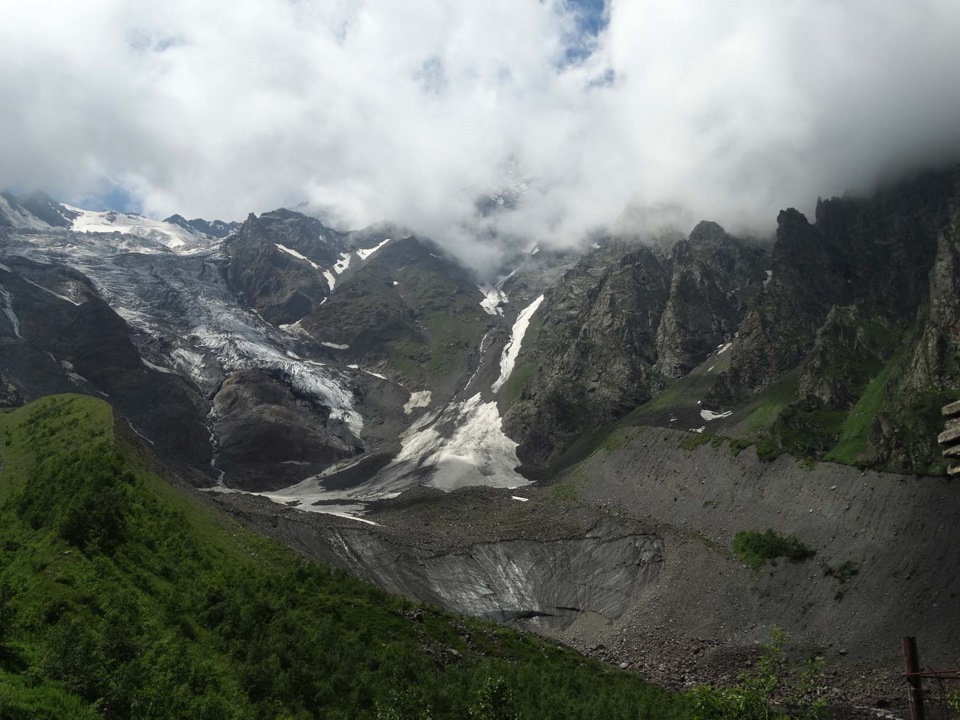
x=492, y=297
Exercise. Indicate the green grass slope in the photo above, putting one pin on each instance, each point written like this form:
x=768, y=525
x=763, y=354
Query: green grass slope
x=122, y=597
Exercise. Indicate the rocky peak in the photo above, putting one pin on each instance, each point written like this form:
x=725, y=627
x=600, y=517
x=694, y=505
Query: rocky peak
x=276, y=264
x=714, y=278
x=707, y=232
x=33, y=211
x=214, y=229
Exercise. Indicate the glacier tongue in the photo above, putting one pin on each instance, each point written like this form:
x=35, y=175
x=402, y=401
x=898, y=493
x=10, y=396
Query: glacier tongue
x=235, y=350
x=184, y=296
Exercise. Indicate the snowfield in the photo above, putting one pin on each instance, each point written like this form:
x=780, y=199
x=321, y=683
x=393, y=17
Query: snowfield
x=478, y=453
x=462, y=445
x=170, y=235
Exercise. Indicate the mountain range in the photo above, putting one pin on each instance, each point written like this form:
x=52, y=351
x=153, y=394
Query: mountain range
x=577, y=419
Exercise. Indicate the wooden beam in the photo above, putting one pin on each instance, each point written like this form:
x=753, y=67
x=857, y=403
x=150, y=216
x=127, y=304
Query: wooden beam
x=915, y=688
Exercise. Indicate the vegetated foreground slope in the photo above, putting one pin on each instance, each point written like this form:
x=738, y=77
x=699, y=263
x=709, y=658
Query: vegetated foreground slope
x=121, y=596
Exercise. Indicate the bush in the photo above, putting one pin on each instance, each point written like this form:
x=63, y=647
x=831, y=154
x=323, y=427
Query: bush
x=755, y=548
x=799, y=689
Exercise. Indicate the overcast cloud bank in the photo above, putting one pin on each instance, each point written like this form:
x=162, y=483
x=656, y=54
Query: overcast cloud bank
x=411, y=111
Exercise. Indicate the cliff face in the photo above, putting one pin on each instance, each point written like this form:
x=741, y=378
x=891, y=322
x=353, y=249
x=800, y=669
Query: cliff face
x=594, y=352
x=873, y=254
x=904, y=433
x=268, y=438
x=842, y=338
x=622, y=323
x=715, y=276
x=408, y=310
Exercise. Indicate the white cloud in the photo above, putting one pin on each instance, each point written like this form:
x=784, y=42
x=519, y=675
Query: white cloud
x=408, y=111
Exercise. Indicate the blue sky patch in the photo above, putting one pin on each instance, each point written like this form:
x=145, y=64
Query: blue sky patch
x=112, y=198
x=591, y=19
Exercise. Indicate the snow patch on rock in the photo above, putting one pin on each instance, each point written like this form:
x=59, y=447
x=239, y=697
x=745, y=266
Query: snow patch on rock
x=7, y=299
x=296, y=328
x=364, y=254
x=417, y=400
x=294, y=253
x=709, y=415
x=331, y=280
x=158, y=368
x=512, y=350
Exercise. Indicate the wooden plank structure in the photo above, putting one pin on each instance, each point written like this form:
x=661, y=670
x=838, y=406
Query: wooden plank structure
x=911, y=664
x=949, y=439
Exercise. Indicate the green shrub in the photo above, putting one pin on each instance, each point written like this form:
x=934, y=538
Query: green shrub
x=768, y=450
x=738, y=445
x=798, y=689
x=695, y=440
x=755, y=547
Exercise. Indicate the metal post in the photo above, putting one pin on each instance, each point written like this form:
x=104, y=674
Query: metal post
x=912, y=665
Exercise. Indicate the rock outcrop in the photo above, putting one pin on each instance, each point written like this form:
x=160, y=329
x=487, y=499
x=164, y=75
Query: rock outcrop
x=278, y=284
x=715, y=276
x=620, y=325
x=269, y=439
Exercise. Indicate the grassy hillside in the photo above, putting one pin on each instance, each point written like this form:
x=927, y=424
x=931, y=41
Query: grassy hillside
x=122, y=597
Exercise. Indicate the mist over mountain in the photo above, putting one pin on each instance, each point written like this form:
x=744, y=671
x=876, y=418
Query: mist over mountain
x=635, y=325
x=412, y=113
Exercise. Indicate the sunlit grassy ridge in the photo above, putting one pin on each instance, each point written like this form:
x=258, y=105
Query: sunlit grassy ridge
x=120, y=595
